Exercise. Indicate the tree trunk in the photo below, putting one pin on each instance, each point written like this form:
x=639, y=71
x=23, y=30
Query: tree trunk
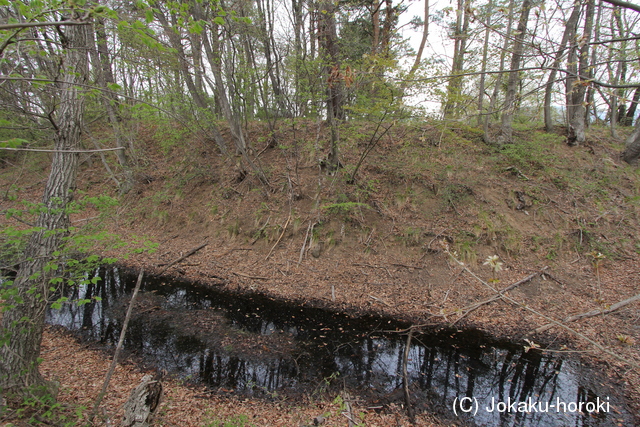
x=498, y=84
x=485, y=53
x=569, y=31
x=576, y=110
x=631, y=112
x=454, y=89
x=423, y=41
x=632, y=148
x=335, y=97
x=506, y=129
x=23, y=322
x=110, y=101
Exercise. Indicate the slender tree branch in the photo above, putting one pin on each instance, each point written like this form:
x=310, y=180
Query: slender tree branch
x=21, y=25
x=624, y=4
x=59, y=151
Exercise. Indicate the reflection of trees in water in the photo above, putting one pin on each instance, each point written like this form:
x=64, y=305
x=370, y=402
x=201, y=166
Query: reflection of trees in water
x=440, y=368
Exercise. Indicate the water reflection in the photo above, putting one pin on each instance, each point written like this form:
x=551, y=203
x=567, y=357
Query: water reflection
x=256, y=345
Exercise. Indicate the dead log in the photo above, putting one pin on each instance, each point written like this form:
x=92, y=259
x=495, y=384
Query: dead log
x=143, y=403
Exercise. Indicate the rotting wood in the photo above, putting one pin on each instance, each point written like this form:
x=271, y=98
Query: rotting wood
x=114, y=362
x=591, y=313
x=142, y=403
x=187, y=255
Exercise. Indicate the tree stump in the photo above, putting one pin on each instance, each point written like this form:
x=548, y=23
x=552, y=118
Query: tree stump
x=143, y=403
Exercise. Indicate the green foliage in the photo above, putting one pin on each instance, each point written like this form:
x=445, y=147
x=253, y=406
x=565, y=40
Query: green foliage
x=532, y=153
x=73, y=263
x=38, y=407
x=345, y=208
x=234, y=421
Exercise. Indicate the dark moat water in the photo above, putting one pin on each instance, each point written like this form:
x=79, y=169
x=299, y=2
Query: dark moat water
x=262, y=347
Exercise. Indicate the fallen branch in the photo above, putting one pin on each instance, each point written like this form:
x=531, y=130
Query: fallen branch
x=304, y=244
x=187, y=255
x=114, y=362
x=470, y=308
x=348, y=410
x=286, y=224
x=544, y=316
x=374, y=266
x=407, y=266
x=258, y=233
x=591, y=313
x=250, y=277
x=379, y=300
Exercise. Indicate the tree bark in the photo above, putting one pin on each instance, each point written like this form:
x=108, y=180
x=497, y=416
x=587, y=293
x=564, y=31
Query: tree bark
x=110, y=101
x=23, y=322
x=576, y=109
x=328, y=40
x=632, y=147
x=506, y=130
x=485, y=53
x=423, y=41
x=454, y=89
x=631, y=112
x=570, y=29
x=498, y=84
x=143, y=402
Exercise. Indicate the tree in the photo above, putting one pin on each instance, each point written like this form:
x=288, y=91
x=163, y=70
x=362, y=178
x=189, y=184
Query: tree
x=23, y=320
x=631, y=153
x=506, y=129
x=579, y=77
x=460, y=36
x=328, y=40
x=569, y=31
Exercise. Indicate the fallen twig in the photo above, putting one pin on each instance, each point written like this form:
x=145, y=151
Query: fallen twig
x=250, y=277
x=470, y=308
x=591, y=313
x=187, y=255
x=374, y=266
x=544, y=316
x=304, y=244
x=407, y=266
x=348, y=410
x=279, y=238
x=379, y=300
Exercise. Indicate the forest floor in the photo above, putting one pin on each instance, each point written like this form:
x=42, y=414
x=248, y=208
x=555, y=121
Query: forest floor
x=406, y=238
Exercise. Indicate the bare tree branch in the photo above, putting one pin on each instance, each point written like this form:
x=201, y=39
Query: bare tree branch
x=60, y=151
x=624, y=4
x=39, y=24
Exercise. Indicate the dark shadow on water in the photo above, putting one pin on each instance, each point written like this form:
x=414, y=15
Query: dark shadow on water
x=262, y=347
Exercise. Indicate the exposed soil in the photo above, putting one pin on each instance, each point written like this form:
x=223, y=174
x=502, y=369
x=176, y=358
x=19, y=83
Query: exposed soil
x=386, y=244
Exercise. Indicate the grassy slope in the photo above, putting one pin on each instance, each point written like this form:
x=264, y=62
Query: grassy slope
x=377, y=244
